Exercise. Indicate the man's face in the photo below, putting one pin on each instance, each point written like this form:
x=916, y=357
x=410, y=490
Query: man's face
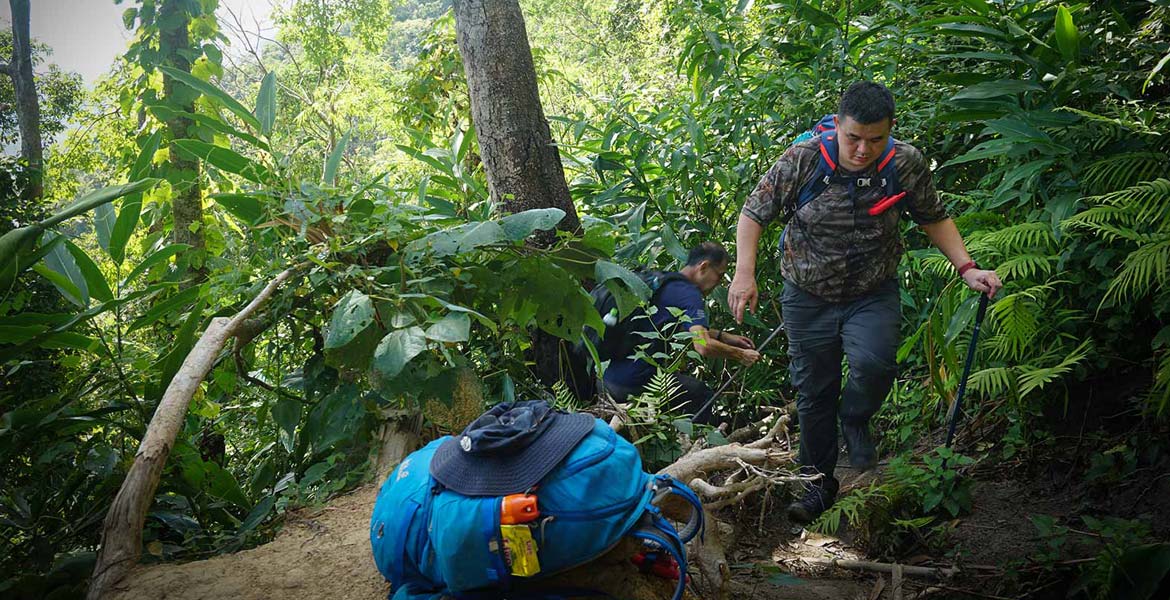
x=709, y=275
x=860, y=145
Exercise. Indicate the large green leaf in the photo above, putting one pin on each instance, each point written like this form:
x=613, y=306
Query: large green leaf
x=1068, y=39
x=257, y=515
x=397, y=349
x=128, y=215
x=61, y=262
x=103, y=224
x=95, y=280
x=241, y=206
x=225, y=159
x=266, y=103
x=184, y=340
x=522, y=224
x=996, y=89
x=455, y=327
x=605, y=270
x=95, y=198
x=331, y=166
x=463, y=238
x=1139, y=571
x=60, y=281
x=962, y=318
x=335, y=418
x=287, y=414
x=672, y=244
x=352, y=315
x=212, y=91
x=17, y=250
x=223, y=485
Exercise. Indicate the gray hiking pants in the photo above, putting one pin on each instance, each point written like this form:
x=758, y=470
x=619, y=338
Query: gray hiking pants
x=820, y=333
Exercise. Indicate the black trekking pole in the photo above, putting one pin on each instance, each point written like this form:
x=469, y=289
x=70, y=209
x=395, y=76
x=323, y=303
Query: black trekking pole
x=966, y=372
x=736, y=375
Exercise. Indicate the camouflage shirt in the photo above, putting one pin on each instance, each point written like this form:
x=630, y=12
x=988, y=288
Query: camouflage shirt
x=833, y=248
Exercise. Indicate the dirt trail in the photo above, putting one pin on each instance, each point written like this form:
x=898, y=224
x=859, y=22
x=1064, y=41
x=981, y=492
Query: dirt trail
x=325, y=554
x=321, y=554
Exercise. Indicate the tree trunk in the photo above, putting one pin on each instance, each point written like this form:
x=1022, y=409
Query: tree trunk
x=28, y=111
x=521, y=161
x=174, y=45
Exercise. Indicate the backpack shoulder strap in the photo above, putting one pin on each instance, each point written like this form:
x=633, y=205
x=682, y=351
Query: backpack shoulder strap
x=823, y=176
x=664, y=485
x=888, y=170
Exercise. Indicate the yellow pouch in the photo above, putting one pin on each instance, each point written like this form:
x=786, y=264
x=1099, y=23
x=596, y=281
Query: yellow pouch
x=520, y=550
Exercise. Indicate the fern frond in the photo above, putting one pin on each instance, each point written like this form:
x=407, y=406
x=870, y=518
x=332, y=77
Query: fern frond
x=1143, y=268
x=1017, y=321
x=660, y=393
x=1123, y=170
x=852, y=507
x=1106, y=221
x=937, y=264
x=1025, y=267
x=1018, y=238
x=994, y=382
x=1150, y=199
x=1036, y=378
x=564, y=398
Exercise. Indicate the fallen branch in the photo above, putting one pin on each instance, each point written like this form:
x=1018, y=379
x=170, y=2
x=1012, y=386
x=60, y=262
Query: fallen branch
x=877, y=567
x=121, y=542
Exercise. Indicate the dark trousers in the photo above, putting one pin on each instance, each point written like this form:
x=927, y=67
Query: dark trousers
x=692, y=395
x=820, y=334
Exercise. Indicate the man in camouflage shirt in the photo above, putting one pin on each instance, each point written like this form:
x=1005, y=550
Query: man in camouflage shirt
x=839, y=265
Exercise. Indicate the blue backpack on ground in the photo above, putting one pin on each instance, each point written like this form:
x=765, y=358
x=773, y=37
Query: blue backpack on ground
x=430, y=540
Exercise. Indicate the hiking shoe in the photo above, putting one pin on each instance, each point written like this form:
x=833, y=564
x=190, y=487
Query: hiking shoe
x=862, y=453
x=815, y=501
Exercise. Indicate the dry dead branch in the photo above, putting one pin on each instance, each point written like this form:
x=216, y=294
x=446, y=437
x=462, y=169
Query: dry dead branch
x=121, y=544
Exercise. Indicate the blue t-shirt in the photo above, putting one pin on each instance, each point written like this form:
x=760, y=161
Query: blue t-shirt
x=680, y=294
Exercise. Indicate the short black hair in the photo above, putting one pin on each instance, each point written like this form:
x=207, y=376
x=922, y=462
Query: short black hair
x=712, y=251
x=867, y=102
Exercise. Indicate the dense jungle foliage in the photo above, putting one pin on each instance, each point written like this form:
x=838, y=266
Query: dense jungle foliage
x=343, y=146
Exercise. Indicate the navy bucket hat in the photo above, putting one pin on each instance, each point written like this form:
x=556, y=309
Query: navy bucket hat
x=508, y=449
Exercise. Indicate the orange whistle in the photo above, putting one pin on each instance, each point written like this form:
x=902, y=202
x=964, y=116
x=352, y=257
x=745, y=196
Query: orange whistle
x=518, y=508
